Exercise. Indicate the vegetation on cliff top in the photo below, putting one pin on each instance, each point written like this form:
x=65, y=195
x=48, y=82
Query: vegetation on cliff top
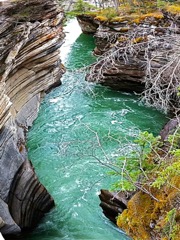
x=132, y=10
x=153, y=168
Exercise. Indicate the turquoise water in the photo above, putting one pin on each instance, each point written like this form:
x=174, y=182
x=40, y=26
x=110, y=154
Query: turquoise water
x=80, y=125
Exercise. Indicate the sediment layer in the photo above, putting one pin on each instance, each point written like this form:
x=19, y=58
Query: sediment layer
x=30, y=38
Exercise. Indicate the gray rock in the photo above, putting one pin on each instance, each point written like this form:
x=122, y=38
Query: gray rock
x=30, y=38
x=7, y=224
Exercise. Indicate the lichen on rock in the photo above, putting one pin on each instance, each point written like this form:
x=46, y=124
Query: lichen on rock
x=145, y=218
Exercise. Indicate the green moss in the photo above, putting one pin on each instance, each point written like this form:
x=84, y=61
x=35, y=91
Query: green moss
x=134, y=219
x=150, y=16
x=101, y=18
x=160, y=199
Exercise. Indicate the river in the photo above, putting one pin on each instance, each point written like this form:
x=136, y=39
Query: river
x=80, y=124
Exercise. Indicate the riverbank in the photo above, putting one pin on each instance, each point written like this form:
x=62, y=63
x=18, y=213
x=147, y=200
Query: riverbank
x=31, y=66
x=141, y=54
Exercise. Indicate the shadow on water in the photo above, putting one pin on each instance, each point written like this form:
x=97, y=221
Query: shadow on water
x=81, y=52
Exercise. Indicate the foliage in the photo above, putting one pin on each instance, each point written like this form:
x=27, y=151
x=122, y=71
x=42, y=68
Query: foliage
x=136, y=162
x=133, y=11
x=81, y=7
x=171, y=168
x=157, y=202
x=173, y=8
x=166, y=174
x=171, y=227
x=174, y=140
x=145, y=165
x=108, y=13
x=129, y=8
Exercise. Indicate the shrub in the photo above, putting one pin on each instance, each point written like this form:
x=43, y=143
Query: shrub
x=81, y=7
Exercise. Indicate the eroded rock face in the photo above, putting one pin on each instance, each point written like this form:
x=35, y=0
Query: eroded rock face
x=30, y=39
x=88, y=24
x=170, y=127
x=114, y=203
x=131, y=52
x=119, y=75
x=7, y=224
x=32, y=202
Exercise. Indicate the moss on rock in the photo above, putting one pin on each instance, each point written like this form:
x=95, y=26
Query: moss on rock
x=146, y=218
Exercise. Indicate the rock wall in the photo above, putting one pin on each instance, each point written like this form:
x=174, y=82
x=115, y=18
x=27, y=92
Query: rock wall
x=133, y=49
x=30, y=39
x=113, y=69
x=88, y=24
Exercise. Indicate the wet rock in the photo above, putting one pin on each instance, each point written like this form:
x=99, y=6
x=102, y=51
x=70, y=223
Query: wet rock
x=33, y=202
x=169, y=128
x=119, y=75
x=114, y=203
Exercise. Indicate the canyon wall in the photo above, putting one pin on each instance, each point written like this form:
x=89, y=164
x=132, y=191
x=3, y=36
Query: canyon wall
x=132, y=49
x=30, y=39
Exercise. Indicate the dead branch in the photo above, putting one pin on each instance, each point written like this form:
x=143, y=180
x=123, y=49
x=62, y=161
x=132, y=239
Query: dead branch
x=156, y=55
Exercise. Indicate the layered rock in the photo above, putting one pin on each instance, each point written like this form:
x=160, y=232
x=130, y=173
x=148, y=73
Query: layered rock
x=108, y=31
x=30, y=39
x=87, y=23
x=133, y=46
x=111, y=70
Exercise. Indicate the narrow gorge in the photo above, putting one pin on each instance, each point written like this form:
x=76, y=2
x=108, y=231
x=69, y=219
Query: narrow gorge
x=80, y=130
x=70, y=109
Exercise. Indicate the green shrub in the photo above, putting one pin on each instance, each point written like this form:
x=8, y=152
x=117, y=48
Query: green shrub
x=81, y=7
x=136, y=164
x=147, y=165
